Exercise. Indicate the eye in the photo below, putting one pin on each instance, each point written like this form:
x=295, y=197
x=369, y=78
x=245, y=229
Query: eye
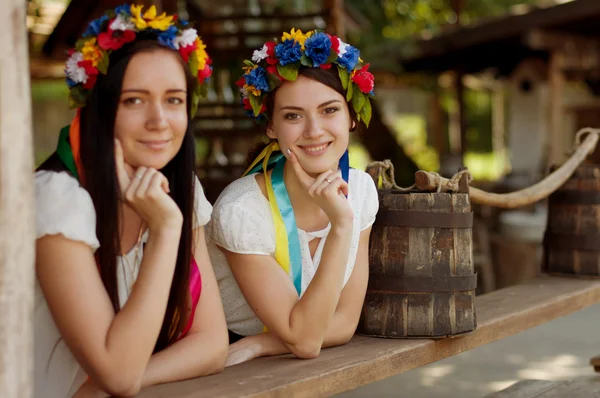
x=291, y=116
x=175, y=101
x=132, y=101
x=330, y=110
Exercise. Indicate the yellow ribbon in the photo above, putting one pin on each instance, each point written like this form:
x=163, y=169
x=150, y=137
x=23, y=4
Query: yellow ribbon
x=282, y=254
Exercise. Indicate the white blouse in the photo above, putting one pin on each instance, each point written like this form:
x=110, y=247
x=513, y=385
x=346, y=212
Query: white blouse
x=242, y=223
x=64, y=207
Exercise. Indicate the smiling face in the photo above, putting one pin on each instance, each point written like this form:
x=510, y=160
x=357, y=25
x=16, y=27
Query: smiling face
x=152, y=117
x=311, y=119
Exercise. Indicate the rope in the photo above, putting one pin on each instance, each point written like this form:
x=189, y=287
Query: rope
x=450, y=185
x=382, y=173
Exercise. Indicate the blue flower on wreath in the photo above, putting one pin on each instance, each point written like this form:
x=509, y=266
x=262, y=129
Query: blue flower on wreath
x=95, y=27
x=257, y=77
x=288, y=52
x=123, y=9
x=317, y=48
x=167, y=37
x=350, y=58
x=70, y=83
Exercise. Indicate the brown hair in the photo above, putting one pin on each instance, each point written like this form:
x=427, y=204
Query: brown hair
x=328, y=77
x=98, y=160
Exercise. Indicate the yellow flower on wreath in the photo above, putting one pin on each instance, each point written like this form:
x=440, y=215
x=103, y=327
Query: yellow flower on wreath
x=251, y=89
x=149, y=19
x=91, y=52
x=201, y=53
x=297, y=36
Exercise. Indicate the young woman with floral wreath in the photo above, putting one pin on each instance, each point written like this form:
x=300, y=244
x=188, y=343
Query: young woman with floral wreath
x=125, y=293
x=289, y=241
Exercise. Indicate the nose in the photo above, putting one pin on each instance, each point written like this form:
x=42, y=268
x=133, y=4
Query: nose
x=312, y=128
x=156, y=117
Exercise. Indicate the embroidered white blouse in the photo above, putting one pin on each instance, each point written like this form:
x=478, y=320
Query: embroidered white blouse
x=242, y=223
x=64, y=207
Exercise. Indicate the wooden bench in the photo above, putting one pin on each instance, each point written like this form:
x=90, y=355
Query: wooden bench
x=364, y=360
x=584, y=388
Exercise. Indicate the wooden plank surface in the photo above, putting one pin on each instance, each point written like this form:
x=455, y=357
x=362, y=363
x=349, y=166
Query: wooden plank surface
x=580, y=388
x=526, y=389
x=364, y=360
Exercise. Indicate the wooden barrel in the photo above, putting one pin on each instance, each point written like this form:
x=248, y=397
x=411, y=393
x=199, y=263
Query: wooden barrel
x=421, y=279
x=572, y=238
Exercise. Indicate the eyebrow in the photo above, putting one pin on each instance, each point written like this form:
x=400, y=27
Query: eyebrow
x=139, y=90
x=297, y=108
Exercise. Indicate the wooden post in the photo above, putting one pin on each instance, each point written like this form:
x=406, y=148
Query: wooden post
x=498, y=123
x=17, y=239
x=436, y=125
x=458, y=127
x=555, y=147
x=335, y=19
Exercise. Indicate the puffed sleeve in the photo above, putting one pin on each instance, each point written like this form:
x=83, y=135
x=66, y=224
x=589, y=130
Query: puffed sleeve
x=64, y=207
x=242, y=221
x=202, y=207
x=370, y=202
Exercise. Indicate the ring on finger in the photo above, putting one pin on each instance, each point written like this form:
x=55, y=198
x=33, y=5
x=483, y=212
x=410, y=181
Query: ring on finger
x=138, y=176
x=328, y=180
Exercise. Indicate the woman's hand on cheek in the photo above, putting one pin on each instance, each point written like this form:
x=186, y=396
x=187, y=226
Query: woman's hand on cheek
x=328, y=190
x=146, y=190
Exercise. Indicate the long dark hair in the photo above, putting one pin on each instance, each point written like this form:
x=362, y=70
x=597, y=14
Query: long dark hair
x=328, y=77
x=98, y=161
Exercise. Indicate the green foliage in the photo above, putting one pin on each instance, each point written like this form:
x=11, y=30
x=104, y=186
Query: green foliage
x=395, y=24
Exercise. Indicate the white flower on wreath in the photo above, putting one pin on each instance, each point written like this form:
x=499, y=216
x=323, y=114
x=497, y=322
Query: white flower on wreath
x=261, y=54
x=122, y=23
x=244, y=92
x=342, y=48
x=73, y=70
x=187, y=38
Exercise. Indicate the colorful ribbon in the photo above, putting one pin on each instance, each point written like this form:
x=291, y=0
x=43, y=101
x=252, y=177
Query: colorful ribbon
x=288, y=252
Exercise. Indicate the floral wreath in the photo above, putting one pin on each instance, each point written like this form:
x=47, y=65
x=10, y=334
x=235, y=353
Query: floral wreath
x=120, y=26
x=276, y=62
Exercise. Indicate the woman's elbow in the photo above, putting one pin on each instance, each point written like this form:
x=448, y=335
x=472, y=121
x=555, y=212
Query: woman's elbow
x=219, y=358
x=306, y=349
x=120, y=385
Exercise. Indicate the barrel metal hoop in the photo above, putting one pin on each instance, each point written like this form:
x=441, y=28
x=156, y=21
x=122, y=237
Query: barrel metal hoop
x=423, y=219
x=399, y=284
x=575, y=197
x=588, y=242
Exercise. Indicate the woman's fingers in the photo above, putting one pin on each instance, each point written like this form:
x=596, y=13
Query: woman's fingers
x=145, y=180
x=321, y=182
x=306, y=180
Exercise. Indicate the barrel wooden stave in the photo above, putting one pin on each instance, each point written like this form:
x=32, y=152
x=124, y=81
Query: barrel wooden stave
x=574, y=211
x=421, y=252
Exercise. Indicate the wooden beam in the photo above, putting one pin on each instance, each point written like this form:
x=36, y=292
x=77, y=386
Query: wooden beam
x=17, y=236
x=364, y=360
x=540, y=39
x=508, y=26
x=335, y=19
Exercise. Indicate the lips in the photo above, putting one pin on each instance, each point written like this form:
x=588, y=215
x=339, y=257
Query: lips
x=156, y=144
x=316, y=149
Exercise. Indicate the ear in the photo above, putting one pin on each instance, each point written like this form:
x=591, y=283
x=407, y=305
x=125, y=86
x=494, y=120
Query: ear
x=270, y=132
x=353, y=127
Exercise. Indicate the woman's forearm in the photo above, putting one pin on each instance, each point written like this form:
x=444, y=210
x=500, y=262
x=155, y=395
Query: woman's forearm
x=312, y=315
x=197, y=354
x=132, y=335
x=339, y=332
